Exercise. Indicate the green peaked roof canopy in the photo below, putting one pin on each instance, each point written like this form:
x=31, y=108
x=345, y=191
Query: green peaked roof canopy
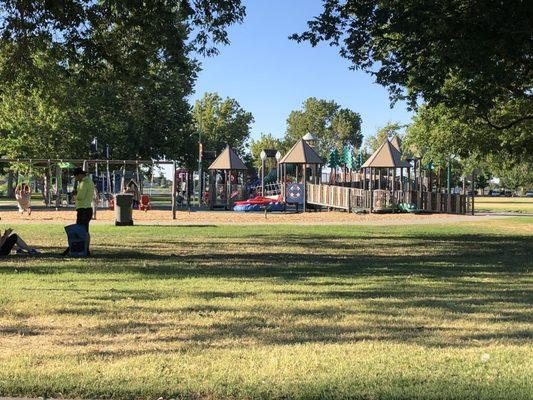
x=227, y=160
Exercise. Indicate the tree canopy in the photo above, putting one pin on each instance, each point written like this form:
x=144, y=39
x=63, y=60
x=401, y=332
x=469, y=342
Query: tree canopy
x=441, y=133
x=122, y=71
x=266, y=141
x=471, y=57
x=221, y=122
x=92, y=34
x=332, y=125
x=386, y=132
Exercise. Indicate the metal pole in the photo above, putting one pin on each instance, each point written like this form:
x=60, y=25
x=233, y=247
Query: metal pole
x=123, y=180
x=174, y=190
x=108, y=183
x=262, y=177
x=58, y=200
x=473, y=186
x=449, y=185
x=48, y=174
x=200, y=174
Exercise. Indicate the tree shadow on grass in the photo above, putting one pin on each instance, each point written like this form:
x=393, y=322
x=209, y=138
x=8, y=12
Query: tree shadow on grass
x=458, y=277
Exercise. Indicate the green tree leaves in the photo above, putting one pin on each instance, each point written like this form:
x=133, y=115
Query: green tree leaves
x=118, y=70
x=471, y=59
x=221, y=122
x=266, y=141
x=332, y=125
x=386, y=132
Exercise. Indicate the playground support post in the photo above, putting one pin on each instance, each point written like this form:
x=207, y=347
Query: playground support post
x=174, y=190
x=109, y=191
x=305, y=187
x=371, y=184
x=262, y=175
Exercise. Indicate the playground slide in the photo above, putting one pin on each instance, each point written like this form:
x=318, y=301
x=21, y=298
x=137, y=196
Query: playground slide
x=259, y=203
x=410, y=208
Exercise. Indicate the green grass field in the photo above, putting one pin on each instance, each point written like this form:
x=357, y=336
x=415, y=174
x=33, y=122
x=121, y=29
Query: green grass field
x=504, y=204
x=412, y=312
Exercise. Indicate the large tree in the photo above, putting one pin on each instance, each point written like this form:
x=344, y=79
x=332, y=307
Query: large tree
x=470, y=56
x=386, y=132
x=221, y=122
x=96, y=33
x=441, y=133
x=118, y=70
x=332, y=125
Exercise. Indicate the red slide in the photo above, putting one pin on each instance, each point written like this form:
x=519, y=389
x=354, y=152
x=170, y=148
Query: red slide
x=258, y=200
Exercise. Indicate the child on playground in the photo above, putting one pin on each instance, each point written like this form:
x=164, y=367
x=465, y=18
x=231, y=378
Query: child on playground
x=23, y=195
x=9, y=240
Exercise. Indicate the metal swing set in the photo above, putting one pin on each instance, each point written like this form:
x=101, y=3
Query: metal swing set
x=54, y=188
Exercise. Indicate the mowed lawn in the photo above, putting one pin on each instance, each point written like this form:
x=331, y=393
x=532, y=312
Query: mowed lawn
x=412, y=312
x=504, y=204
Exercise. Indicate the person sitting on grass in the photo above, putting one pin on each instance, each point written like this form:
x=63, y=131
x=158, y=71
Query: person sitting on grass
x=9, y=240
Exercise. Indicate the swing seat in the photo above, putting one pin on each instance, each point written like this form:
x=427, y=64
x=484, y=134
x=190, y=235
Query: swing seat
x=145, y=204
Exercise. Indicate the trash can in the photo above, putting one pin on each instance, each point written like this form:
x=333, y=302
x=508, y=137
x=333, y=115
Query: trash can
x=123, y=214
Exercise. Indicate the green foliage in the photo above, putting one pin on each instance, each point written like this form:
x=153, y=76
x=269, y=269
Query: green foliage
x=332, y=125
x=347, y=157
x=120, y=34
x=266, y=141
x=221, y=123
x=359, y=160
x=482, y=181
x=334, y=159
x=513, y=176
x=440, y=132
x=386, y=132
x=59, y=117
x=461, y=53
x=469, y=60
x=120, y=71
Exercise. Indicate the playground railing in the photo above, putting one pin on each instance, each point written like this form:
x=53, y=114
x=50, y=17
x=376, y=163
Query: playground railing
x=271, y=189
x=347, y=198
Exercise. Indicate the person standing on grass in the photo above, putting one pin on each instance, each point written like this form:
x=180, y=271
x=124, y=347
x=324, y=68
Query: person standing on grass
x=84, y=197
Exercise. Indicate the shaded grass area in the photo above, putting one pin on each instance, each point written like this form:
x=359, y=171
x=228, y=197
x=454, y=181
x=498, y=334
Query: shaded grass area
x=272, y=312
x=504, y=204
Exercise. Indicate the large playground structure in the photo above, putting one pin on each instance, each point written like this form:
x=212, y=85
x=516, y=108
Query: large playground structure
x=385, y=182
x=301, y=180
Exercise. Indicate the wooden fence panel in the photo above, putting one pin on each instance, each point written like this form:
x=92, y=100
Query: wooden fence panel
x=349, y=198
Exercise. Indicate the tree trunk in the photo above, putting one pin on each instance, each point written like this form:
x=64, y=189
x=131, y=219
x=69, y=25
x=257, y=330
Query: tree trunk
x=10, y=181
x=46, y=189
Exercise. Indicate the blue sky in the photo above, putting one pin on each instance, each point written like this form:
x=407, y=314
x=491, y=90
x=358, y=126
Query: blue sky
x=270, y=75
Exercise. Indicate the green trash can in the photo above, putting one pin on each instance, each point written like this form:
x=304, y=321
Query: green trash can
x=123, y=209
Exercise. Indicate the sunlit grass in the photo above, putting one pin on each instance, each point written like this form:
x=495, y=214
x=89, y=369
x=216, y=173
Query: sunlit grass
x=504, y=204
x=272, y=312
